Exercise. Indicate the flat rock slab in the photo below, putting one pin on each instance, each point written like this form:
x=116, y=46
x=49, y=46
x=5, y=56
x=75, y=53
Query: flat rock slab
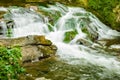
x=32, y=47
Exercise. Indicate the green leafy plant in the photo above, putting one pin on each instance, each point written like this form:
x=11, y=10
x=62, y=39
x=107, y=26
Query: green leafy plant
x=10, y=63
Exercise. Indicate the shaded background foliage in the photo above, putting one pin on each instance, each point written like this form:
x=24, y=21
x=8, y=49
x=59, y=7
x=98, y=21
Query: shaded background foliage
x=107, y=10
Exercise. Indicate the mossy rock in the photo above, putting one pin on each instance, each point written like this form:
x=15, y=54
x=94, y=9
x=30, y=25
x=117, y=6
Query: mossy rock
x=69, y=36
x=41, y=40
x=47, y=50
x=1, y=14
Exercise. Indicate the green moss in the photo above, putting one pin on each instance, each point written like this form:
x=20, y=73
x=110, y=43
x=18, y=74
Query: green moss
x=9, y=33
x=69, y=36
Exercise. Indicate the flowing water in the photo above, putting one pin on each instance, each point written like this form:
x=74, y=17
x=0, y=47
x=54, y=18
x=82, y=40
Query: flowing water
x=75, y=32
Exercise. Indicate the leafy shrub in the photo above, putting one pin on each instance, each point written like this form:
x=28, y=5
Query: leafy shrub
x=104, y=10
x=10, y=63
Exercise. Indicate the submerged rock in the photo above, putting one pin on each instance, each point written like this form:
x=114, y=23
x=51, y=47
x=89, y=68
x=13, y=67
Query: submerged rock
x=33, y=46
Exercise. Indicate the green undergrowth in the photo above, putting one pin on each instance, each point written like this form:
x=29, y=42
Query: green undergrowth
x=10, y=63
x=104, y=10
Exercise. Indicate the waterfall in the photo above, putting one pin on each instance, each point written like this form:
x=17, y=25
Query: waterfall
x=81, y=45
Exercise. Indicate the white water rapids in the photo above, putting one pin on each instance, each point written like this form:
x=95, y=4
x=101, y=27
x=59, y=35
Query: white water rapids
x=30, y=23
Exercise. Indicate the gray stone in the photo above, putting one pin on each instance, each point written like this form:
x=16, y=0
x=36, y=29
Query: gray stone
x=32, y=47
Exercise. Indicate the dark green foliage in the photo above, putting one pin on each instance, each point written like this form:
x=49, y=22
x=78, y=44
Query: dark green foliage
x=10, y=60
x=104, y=10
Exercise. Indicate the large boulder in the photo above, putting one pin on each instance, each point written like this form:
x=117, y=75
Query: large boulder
x=28, y=40
x=32, y=47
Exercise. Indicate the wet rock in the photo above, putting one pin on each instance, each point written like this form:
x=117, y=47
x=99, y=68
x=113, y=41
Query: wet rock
x=1, y=29
x=30, y=53
x=109, y=42
x=1, y=14
x=41, y=40
x=35, y=0
x=28, y=40
x=84, y=42
x=42, y=78
x=33, y=46
x=47, y=50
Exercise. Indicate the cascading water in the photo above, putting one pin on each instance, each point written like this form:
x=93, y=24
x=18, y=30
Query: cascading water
x=80, y=48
